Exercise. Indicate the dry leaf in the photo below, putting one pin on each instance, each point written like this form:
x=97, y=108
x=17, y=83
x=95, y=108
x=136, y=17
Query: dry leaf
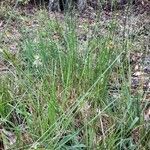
x=1, y=23
x=8, y=34
x=147, y=115
x=136, y=67
x=138, y=73
x=7, y=138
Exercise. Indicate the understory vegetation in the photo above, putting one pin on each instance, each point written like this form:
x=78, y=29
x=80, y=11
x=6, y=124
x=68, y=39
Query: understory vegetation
x=66, y=83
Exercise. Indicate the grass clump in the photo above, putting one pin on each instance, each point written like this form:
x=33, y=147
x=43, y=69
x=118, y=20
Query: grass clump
x=63, y=92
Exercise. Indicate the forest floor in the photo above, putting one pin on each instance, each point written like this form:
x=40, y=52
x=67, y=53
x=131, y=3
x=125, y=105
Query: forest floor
x=25, y=29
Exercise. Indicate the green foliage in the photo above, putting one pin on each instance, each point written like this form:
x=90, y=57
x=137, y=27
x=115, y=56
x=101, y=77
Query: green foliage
x=63, y=92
